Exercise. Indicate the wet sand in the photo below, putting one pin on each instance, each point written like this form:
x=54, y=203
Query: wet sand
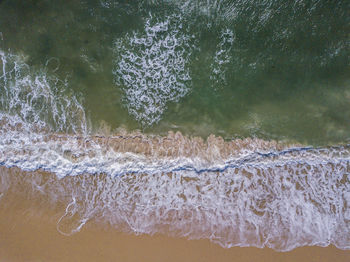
x=28, y=233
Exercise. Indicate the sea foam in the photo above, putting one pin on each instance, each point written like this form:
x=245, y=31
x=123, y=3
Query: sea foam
x=152, y=67
x=246, y=192
x=36, y=96
x=238, y=193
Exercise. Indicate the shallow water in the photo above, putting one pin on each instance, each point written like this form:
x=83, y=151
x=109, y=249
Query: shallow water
x=223, y=120
x=270, y=69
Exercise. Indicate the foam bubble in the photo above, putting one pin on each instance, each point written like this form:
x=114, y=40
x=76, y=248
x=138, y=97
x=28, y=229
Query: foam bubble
x=151, y=66
x=37, y=96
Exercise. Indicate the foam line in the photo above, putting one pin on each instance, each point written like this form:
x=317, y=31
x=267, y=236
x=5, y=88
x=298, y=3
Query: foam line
x=243, y=192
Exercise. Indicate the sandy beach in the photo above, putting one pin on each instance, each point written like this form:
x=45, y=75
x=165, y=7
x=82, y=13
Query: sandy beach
x=28, y=233
x=207, y=130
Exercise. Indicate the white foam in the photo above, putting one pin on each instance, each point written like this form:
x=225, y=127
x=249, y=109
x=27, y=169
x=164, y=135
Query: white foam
x=152, y=67
x=38, y=97
x=283, y=200
x=250, y=193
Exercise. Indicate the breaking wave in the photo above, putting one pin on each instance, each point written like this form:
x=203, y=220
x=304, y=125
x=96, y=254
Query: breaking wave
x=246, y=192
x=281, y=200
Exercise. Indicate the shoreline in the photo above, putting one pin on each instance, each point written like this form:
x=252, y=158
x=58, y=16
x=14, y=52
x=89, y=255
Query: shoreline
x=28, y=233
x=76, y=204
x=244, y=192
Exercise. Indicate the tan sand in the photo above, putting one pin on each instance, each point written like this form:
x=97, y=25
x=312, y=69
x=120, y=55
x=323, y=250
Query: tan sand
x=28, y=233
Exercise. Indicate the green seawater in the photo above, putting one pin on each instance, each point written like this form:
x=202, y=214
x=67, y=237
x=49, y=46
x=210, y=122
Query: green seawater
x=268, y=69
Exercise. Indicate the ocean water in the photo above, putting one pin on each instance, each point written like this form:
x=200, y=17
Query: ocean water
x=224, y=120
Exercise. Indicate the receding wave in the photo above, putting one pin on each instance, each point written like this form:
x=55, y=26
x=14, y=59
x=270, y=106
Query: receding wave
x=246, y=192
